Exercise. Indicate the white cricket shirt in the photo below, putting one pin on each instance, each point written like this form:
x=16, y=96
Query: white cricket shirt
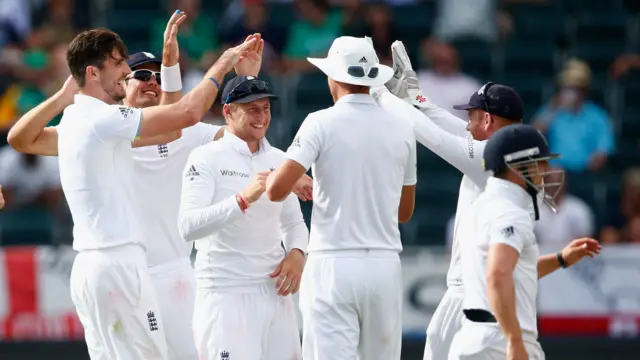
x=96, y=172
x=361, y=157
x=158, y=180
x=502, y=214
x=446, y=136
x=236, y=248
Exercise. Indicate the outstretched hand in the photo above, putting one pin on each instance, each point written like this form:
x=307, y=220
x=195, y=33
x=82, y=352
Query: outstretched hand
x=230, y=58
x=170, y=51
x=579, y=248
x=251, y=64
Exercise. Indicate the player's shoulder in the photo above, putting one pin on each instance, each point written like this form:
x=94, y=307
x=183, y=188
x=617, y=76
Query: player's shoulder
x=207, y=152
x=489, y=207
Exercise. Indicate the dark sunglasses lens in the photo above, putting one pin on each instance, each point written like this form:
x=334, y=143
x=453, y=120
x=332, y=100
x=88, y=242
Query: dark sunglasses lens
x=373, y=73
x=145, y=75
x=355, y=71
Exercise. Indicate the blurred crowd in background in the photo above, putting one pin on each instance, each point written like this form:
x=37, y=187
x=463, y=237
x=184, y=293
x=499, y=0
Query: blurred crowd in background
x=576, y=64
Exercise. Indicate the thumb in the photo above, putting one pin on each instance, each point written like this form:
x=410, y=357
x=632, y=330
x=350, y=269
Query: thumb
x=277, y=271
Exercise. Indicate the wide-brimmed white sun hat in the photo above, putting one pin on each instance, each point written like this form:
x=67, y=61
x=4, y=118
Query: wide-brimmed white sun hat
x=353, y=60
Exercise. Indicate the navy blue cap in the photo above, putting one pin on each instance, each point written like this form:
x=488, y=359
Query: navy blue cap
x=140, y=58
x=498, y=100
x=245, y=89
x=521, y=141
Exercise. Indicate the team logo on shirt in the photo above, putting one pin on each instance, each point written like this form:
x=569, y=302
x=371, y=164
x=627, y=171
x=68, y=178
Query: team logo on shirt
x=192, y=173
x=163, y=150
x=224, y=355
x=234, y=173
x=296, y=142
x=507, y=232
x=153, y=322
x=125, y=111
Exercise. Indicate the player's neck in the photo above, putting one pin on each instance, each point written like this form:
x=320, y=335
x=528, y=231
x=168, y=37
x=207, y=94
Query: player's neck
x=254, y=146
x=97, y=93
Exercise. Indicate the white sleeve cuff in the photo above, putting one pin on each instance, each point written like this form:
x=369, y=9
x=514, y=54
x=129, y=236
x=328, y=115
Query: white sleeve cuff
x=171, y=78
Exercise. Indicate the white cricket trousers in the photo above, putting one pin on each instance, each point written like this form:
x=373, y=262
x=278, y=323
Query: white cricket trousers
x=486, y=341
x=445, y=323
x=116, y=303
x=246, y=323
x=351, y=305
x=175, y=286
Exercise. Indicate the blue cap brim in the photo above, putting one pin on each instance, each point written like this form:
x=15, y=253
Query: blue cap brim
x=465, y=107
x=253, y=97
x=146, y=61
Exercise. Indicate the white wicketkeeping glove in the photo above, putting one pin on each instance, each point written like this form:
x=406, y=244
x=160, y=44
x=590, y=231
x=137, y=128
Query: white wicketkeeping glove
x=404, y=83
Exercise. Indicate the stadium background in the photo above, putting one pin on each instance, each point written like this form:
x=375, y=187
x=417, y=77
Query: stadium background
x=589, y=312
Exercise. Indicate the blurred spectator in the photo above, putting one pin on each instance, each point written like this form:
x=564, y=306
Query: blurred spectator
x=15, y=21
x=633, y=230
x=459, y=19
x=57, y=22
x=577, y=128
x=29, y=179
x=256, y=20
x=311, y=34
x=441, y=81
x=625, y=63
x=197, y=37
x=375, y=21
x=573, y=220
x=620, y=215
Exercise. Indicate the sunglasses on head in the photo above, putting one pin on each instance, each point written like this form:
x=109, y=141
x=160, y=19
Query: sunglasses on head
x=247, y=88
x=144, y=75
x=358, y=71
x=485, y=97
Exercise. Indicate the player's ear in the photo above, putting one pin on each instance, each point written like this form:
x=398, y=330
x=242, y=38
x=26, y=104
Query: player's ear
x=91, y=72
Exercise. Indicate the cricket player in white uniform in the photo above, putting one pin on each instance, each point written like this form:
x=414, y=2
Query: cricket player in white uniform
x=157, y=170
x=110, y=284
x=363, y=163
x=461, y=144
x=244, y=307
x=500, y=259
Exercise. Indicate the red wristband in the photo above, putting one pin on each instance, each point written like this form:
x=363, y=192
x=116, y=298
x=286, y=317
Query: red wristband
x=242, y=202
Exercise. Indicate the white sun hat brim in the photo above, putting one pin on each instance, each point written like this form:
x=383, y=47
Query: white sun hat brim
x=338, y=72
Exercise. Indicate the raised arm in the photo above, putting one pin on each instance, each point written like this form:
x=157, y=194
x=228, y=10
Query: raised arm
x=464, y=153
x=191, y=108
x=405, y=85
x=30, y=135
x=199, y=216
x=170, y=70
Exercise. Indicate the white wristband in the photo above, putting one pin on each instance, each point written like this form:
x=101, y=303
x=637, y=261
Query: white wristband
x=171, y=79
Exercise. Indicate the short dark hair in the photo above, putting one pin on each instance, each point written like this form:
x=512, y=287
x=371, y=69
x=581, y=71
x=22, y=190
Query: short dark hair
x=92, y=48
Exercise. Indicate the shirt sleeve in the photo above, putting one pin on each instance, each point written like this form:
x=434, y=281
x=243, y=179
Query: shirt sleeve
x=199, y=217
x=296, y=234
x=121, y=123
x=508, y=229
x=441, y=117
x=463, y=152
x=306, y=146
x=201, y=133
x=411, y=168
